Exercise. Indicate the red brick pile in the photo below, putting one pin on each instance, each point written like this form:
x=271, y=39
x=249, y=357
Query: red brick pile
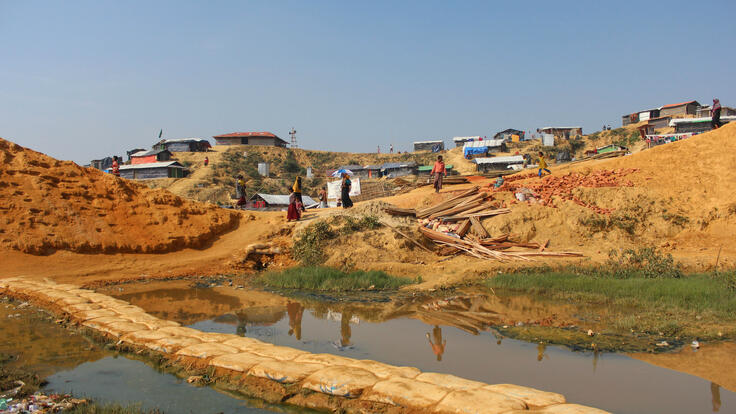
x=562, y=186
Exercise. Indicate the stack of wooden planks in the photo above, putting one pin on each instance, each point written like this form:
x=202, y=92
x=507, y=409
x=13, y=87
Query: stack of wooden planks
x=455, y=225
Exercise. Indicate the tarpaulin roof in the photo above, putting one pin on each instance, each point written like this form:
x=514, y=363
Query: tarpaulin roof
x=151, y=165
x=463, y=139
x=513, y=159
x=676, y=121
x=283, y=200
x=246, y=134
x=679, y=104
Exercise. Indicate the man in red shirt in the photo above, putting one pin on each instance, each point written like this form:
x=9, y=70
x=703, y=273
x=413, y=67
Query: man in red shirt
x=438, y=171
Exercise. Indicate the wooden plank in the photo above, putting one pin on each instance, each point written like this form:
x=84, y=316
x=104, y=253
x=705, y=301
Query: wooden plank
x=478, y=228
x=398, y=211
x=405, y=236
x=463, y=228
x=544, y=245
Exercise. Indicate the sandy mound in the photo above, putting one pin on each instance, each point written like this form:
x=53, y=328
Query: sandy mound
x=48, y=205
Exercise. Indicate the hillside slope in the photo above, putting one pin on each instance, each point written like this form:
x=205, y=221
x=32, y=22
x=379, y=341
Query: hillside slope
x=48, y=205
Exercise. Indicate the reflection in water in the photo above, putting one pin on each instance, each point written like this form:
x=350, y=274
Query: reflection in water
x=392, y=332
x=438, y=346
x=715, y=395
x=295, y=311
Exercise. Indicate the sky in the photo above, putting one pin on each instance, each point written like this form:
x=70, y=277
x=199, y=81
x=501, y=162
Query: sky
x=81, y=80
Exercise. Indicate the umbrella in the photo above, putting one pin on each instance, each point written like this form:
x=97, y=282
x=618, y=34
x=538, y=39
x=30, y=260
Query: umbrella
x=342, y=171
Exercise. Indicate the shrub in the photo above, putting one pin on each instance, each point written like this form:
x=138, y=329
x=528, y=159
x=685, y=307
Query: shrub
x=645, y=262
x=329, y=279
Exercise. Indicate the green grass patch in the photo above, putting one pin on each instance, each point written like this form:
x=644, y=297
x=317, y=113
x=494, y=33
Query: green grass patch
x=699, y=292
x=95, y=408
x=332, y=280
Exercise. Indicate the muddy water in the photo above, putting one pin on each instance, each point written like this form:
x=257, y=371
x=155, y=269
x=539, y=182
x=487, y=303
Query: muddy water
x=450, y=335
x=31, y=340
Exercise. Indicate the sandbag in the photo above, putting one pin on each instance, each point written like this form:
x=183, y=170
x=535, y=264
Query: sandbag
x=80, y=307
x=206, y=350
x=92, y=314
x=171, y=344
x=240, y=362
x=325, y=359
x=532, y=397
x=564, y=409
x=449, y=381
x=99, y=323
x=340, y=380
x=406, y=393
x=143, y=337
x=118, y=329
x=70, y=300
x=385, y=371
x=150, y=323
x=94, y=296
x=243, y=343
x=281, y=353
x=478, y=401
x=284, y=371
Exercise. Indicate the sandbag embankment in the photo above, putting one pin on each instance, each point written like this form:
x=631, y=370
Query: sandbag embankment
x=282, y=374
x=48, y=205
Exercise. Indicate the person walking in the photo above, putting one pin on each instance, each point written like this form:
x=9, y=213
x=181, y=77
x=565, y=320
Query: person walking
x=391, y=149
x=715, y=114
x=294, y=212
x=115, y=166
x=345, y=190
x=297, y=188
x=240, y=192
x=323, y=197
x=543, y=165
x=438, y=171
x=206, y=161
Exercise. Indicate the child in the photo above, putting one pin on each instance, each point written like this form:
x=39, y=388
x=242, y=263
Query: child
x=543, y=165
x=295, y=209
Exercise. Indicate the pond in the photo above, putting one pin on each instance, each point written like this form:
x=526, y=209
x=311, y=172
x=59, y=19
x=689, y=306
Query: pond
x=452, y=335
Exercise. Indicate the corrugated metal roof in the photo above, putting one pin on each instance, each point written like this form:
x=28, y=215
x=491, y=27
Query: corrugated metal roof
x=676, y=121
x=390, y=165
x=513, y=159
x=149, y=152
x=351, y=167
x=186, y=140
x=246, y=134
x=283, y=200
x=569, y=127
x=484, y=143
x=678, y=104
x=372, y=167
x=429, y=167
x=151, y=165
x=428, y=142
x=463, y=139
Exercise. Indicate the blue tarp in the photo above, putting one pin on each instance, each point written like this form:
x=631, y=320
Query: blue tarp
x=474, y=150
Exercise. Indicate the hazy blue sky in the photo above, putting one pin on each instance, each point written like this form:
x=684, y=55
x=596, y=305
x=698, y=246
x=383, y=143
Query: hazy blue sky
x=85, y=79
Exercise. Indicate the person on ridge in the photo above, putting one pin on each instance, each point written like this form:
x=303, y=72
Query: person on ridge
x=345, y=191
x=438, y=171
x=543, y=165
x=240, y=192
x=715, y=114
x=115, y=166
x=297, y=188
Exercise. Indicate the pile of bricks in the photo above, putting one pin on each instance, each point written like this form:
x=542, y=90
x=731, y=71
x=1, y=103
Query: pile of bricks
x=562, y=186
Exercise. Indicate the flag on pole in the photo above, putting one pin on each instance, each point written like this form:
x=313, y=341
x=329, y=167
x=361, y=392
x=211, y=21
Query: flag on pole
x=160, y=133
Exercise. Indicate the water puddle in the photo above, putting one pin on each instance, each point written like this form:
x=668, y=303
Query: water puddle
x=71, y=363
x=453, y=335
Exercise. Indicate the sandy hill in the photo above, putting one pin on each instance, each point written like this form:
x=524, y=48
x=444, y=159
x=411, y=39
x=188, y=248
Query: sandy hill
x=46, y=204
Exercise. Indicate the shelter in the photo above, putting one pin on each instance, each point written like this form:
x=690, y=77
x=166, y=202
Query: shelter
x=639, y=116
x=250, y=138
x=374, y=171
x=148, y=157
x=704, y=111
x=476, y=148
x=102, y=164
x=460, y=141
x=508, y=135
x=397, y=169
x=133, y=151
x=609, y=148
x=183, y=145
x=680, y=109
x=563, y=132
x=659, y=122
x=498, y=163
x=169, y=169
x=696, y=125
x=434, y=146
x=427, y=169
x=277, y=201
x=358, y=170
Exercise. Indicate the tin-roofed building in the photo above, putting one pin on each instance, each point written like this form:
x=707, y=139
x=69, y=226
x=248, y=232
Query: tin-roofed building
x=483, y=148
x=169, y=169
x=398, y=169
x=696, y=125
x=154, y=155
x=508, y=135
x=563, y=132
x=460, y=141
x=498, y=163
x=680, y=109
x=250, y=138
x=183, y=145
x=277, y=201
